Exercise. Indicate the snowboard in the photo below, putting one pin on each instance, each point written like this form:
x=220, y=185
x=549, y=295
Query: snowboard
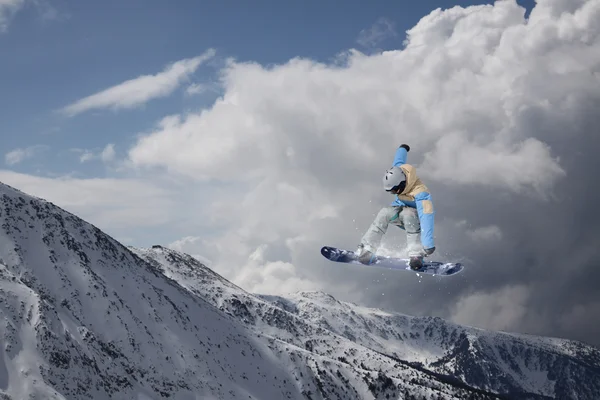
x=429, y=267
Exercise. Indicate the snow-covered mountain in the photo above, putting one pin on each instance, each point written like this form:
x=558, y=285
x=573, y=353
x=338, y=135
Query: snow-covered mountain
x=513, y=365
x=84, y=317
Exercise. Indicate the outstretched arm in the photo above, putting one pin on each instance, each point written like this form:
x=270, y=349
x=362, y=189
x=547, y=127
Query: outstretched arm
x=401, y=155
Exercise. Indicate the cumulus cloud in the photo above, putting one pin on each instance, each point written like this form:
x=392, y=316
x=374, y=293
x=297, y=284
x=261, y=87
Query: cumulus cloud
x=19, y=155
x=494, y=106
x=519, y=166
x=503, y=309
x=138, y=91
x=458, y=105
x=274, y=277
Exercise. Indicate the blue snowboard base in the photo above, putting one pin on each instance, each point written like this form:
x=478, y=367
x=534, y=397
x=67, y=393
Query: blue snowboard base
x=429, y=267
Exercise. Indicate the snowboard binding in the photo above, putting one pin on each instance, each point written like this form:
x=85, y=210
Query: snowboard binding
x=415, y=263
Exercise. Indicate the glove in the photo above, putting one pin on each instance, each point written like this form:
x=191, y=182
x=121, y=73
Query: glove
x=407, y=147
x=429, y=251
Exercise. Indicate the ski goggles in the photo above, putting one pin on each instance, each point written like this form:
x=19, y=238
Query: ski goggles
x=398, y=188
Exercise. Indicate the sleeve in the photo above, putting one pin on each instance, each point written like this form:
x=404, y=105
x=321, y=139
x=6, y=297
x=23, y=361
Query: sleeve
x=401, y=155
x=426, y=218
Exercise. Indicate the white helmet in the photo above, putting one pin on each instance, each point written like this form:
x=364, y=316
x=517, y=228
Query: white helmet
x=393, y=178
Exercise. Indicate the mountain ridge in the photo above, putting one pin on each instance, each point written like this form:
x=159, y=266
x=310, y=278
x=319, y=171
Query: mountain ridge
x=85, y=317
x=559, y=347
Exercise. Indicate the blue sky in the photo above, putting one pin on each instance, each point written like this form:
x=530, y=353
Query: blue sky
x=59, y=51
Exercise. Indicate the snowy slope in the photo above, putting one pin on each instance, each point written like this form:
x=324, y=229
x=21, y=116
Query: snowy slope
x=326, y=353
x=84, y=317
x=504, y=363
x=497, y=361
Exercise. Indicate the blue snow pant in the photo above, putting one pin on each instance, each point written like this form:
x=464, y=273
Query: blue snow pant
x=406, y=218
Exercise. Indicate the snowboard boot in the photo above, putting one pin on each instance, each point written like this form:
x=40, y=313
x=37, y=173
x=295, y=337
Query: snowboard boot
x=415, y=263
x=365, y=256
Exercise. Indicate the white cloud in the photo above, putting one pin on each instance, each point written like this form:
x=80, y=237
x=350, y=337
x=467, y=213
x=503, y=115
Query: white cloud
x=138, y=91
x=107, y=155
x=298, y=149
x=381, y=30
x=273, y=277
x=191, y=245
x=86, y=156
x=48, y=12
x=15, y=156
x=504, y=309
x=459, y=106
x=21, y=154
x=108, y=203
x=8, y=8
x=517, y=166
x=486, y=233
x=195, y=88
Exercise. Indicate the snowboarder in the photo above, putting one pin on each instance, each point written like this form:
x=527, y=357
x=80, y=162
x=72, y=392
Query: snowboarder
x=412, y=210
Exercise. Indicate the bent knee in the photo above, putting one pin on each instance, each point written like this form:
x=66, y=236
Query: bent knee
x=410, y=219
x=388, y=214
